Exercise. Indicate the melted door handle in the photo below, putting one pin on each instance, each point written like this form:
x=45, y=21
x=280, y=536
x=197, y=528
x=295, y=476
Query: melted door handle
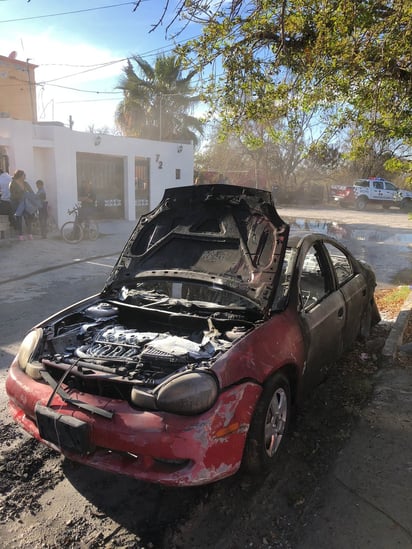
x=340, y=312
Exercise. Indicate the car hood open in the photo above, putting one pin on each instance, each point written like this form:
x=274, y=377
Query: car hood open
x=228, y=236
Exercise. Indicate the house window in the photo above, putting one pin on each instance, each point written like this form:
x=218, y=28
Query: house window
x=178, y=173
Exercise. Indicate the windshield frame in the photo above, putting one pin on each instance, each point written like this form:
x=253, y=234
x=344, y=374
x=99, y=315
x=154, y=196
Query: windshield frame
x=179, y=292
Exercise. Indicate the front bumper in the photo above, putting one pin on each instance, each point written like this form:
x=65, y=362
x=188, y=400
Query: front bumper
x=152, y=446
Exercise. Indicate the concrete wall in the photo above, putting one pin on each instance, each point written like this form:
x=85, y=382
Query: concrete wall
x=48, y=151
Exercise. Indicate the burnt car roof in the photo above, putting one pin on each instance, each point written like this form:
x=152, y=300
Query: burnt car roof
x=226, y=235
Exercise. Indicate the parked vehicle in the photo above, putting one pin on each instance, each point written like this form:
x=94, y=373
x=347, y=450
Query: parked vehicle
x=214, y=323
x=371, y=191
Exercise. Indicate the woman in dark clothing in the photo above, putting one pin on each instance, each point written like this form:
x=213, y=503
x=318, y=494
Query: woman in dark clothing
x=22, y=203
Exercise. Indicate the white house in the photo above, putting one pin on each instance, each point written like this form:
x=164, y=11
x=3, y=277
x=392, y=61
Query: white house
x=129, y=175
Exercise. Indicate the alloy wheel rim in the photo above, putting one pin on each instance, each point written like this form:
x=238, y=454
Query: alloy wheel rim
x=275, y=422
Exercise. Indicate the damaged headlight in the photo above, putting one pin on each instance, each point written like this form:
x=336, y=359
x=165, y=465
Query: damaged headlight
x=188, y=394
x=26, y=352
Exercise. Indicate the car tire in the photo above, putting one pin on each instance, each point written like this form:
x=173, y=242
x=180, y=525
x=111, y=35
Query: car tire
x=366, y=323
x=269, y=425
x=361, y=203
x=406, y=204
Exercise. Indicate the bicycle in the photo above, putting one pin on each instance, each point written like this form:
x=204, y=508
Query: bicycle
x=75, y=231
x=52, y=226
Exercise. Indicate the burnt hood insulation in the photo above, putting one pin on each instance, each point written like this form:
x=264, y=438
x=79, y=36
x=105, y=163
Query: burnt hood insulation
x=224, y=235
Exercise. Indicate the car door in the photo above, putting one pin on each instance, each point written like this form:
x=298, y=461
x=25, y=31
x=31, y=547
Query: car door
x=322, y=313
x=352, y=285
x=377, y=190
x=390, y=191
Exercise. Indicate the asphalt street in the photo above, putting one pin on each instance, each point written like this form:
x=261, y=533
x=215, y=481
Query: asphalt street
x=365, y=501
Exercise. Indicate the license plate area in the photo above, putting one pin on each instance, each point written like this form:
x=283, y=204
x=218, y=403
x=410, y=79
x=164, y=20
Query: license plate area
x=65, y=432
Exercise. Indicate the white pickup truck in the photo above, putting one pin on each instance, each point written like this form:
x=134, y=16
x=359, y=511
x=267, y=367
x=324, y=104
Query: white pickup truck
x=371, y=191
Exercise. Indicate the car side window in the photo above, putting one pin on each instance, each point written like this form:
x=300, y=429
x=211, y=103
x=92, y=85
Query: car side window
x=341, y=264
x=390, y=186
x=313, y=284
x=378, y=185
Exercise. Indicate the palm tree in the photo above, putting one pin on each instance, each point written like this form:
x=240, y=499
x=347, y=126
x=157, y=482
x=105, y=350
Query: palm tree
x=158, y=101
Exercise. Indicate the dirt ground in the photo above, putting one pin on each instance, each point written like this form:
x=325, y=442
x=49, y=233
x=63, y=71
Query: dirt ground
x=48, y=502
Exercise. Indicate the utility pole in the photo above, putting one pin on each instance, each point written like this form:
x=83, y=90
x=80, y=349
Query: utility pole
x=160, y=117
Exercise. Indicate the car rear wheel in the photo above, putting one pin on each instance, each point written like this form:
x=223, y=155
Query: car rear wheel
x=361, y=203
x=269, y=425
x=370, y=318
x=366, y=323
x=406, y=204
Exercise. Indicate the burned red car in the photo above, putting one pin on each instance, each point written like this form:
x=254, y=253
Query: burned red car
x=213, y=324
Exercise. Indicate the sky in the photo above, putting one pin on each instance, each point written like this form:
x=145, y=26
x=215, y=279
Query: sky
x=80, y=49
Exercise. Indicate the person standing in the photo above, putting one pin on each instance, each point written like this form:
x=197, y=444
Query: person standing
x=88, y=200
x=5, y=205
x=24, y=203
x=43, y=209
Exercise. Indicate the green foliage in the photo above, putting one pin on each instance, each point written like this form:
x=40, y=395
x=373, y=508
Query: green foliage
x=394, y=296
x=401, y=165
x=158, y=101
x=324, y=156
x=352, y=56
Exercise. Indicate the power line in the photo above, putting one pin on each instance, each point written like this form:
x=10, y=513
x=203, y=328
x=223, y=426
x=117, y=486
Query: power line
x=42, y=84
x=153, y=52
x=67, y=12
x=149, y=53
x=98, y=66
x=77, y=89
x=86, y=101
x=94, y=68
x=102, y=65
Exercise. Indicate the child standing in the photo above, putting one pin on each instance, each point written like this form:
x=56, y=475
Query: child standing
x=41, y=194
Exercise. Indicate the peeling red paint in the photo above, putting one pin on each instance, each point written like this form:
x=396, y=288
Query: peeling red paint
x=151, y=435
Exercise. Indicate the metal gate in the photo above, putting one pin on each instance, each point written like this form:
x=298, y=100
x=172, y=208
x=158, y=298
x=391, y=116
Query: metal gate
x=106, y=173
x=142, y=185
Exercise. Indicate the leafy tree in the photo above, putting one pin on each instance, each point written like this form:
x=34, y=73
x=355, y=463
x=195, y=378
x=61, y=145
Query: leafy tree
x=352, y=55
x=158, y=101
x=270, y=161
x=324, y=157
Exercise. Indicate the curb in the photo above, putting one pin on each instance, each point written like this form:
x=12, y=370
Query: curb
x=394, y=339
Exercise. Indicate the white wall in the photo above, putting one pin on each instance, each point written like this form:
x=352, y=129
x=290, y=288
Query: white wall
x=48, y=152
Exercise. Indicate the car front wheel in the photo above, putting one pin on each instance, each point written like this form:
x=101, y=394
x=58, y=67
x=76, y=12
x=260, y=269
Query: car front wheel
x=269, y=425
